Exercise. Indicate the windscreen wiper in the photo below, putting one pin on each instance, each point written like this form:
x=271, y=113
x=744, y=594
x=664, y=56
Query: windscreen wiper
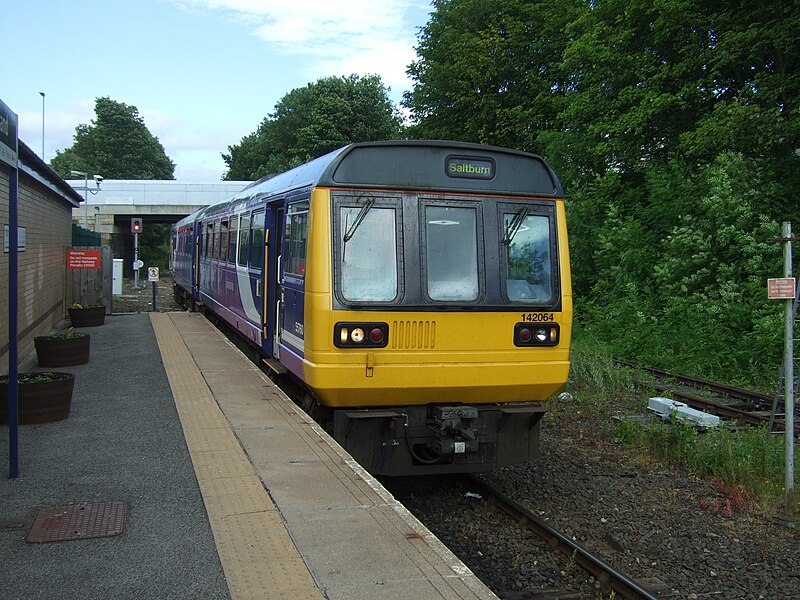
x=351, y=231
x=513, y=228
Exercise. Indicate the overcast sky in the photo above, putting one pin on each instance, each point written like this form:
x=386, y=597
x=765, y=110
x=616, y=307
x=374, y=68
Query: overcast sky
x=203, y=73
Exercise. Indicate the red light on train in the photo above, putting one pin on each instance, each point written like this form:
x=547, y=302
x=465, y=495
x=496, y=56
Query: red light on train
x=360, y=335
x=540, y=334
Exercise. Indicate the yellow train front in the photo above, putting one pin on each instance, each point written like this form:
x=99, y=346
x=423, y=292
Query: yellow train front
x=424, y=299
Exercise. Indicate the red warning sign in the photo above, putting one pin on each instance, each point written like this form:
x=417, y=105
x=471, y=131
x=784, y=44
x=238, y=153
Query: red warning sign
x=83, y=259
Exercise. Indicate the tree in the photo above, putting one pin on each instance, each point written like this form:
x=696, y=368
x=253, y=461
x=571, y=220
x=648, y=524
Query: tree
x=655, y=80
x=116, y=145
x=489, y=71
x=313, y=120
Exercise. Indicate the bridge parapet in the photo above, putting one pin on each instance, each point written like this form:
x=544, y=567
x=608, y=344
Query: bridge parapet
x=154, y=200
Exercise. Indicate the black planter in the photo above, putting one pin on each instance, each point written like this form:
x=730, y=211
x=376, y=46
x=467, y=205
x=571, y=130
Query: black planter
x=62, y=351
x=41, y=401
x=87, y=317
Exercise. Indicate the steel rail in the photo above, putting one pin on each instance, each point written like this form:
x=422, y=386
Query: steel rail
x=720, y=388
x=741, y=416
x=609, y=578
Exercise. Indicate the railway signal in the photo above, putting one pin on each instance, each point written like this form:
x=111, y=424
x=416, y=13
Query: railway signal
x=136, y=229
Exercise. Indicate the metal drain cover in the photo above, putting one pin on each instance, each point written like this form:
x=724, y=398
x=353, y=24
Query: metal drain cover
x=78, y=522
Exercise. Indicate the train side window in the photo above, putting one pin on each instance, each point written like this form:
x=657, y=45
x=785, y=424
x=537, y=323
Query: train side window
x=257, y=241
x=294, y=255
x=234, y=232
x=223, y=240
x=244, y=235
x=451, y=253
x=209, y=240
x=528, y=256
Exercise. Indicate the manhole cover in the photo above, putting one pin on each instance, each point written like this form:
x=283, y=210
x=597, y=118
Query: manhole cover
x=78, y=522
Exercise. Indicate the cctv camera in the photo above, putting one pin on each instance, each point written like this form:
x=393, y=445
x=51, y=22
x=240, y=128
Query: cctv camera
x=98, y=178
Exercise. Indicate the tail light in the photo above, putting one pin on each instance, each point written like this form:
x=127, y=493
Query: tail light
x=536, y=334
x=360, y=335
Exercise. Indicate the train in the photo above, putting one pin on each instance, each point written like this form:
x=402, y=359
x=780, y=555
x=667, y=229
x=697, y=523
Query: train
x=417, y=292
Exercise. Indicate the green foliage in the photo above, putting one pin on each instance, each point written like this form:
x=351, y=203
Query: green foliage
x=64, y=335
x=311, y=121
x=154, y=246
x=692, y=284
x=117, y=145
x=38, y=377
x=489, y=71
x=748, y=457
x=593, y=374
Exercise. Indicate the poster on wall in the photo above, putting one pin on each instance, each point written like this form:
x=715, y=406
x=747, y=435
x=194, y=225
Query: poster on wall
x=20, y=239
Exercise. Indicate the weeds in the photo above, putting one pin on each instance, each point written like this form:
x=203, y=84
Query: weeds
x=747, y=464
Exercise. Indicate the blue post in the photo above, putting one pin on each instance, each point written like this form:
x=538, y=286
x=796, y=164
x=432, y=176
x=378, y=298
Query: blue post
x=9, y=154
x=13, y=286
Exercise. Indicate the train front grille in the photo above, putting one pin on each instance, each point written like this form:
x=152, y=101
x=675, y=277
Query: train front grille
x=413, y=335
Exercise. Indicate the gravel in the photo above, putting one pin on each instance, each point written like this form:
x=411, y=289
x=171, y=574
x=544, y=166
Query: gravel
x=651, y=521
x=140, y=300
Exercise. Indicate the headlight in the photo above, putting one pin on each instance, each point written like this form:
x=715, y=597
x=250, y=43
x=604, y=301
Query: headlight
x=536, y=334
x=360, y=335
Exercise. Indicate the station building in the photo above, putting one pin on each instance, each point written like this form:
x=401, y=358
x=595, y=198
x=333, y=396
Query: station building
x=45, y=205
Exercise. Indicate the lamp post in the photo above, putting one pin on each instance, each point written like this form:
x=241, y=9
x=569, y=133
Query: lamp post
x=98, y=180
x=42, y=94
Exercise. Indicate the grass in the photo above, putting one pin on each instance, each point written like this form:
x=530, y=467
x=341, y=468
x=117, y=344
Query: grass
x=746, y=462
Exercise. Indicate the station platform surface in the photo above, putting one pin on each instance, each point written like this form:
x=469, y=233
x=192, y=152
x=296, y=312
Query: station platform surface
x=231, y=491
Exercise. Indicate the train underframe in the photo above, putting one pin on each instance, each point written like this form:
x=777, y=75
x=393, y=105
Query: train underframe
x=434, y=438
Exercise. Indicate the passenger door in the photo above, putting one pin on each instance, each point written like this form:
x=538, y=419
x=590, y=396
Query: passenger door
x=275, y=296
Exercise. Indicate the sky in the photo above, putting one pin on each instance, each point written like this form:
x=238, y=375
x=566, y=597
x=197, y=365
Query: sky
x=202, y=73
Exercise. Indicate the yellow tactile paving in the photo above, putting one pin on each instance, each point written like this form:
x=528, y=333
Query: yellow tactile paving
x=257, y=555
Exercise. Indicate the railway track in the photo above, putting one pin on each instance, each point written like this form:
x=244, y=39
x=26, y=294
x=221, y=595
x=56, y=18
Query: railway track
x=748, y=407
x=611, y=580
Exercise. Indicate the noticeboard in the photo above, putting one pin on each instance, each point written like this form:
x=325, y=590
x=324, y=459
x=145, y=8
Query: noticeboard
x=781, y=288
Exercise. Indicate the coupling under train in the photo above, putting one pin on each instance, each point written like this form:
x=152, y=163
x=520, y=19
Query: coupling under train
x=418, y=291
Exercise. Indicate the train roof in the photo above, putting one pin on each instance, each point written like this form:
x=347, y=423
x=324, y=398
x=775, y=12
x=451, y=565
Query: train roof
x=441, y=166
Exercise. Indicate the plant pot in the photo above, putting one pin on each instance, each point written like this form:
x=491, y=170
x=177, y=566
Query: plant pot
x=42, y=401
x=87, y=317
x=62, y=350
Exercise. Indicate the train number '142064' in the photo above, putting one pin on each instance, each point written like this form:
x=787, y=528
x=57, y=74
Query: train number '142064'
x=538, y=317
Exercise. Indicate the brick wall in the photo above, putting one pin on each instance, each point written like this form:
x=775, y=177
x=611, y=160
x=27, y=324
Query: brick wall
x=47, y=220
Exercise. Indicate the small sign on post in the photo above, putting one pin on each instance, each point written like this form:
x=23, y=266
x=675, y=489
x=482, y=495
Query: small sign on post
x=152, y=277
x=781, y=288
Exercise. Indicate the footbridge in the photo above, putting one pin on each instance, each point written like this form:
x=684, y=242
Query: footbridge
x=108, y=207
